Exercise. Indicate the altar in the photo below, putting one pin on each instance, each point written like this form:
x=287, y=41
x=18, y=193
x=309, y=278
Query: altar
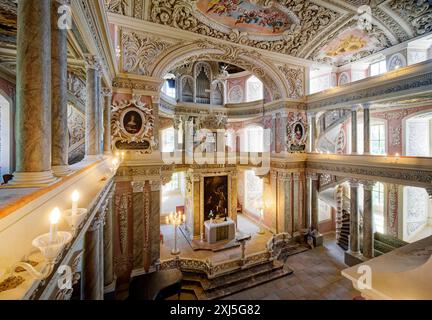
x=219, y=230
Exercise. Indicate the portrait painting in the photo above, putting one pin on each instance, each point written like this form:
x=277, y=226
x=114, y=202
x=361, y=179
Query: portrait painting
x=298, y=131
x=215, y=196
x=132, y=122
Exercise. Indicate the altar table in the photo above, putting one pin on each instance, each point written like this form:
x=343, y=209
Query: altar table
x=217, y=231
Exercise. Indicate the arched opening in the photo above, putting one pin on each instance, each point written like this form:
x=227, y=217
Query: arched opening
x=417, y=142
x=378, y=207
x=173, y=194
x=252, y=139
x=254, y=188
x=167, y=140
x=417, y=214
x=5, y=137
x=254, y=89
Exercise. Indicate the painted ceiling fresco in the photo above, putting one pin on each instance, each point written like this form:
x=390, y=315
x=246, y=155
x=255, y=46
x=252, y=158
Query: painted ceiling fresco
x=246, y=16
x=310, y=29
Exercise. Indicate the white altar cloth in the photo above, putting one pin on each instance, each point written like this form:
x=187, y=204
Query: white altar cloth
x=219, y=230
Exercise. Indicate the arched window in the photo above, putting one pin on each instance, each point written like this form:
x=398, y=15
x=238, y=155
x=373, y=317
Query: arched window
x=169, y=88
x=253, y=139
x=5, y=137
x=378, y=207
x=254, y=89
x=254, y=189
x=168, y=140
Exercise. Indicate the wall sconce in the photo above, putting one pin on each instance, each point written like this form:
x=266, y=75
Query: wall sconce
x=50, y=245
x=75, y=216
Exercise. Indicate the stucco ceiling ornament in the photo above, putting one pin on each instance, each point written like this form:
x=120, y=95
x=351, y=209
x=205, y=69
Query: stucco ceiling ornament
x=140, y=51
x=307, y=21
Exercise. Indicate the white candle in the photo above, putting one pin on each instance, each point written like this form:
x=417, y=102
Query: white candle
x=54, y=219
x=75, y=198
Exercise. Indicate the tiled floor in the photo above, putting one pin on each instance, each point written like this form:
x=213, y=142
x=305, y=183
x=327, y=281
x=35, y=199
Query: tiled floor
x=317, y=276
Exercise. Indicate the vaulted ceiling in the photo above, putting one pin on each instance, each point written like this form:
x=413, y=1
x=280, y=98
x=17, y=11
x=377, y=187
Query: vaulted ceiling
x=332, y=31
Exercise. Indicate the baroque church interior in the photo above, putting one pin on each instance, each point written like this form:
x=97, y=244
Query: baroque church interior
x=206, y=150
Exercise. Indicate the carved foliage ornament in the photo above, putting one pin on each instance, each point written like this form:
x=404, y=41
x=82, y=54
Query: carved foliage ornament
x=140, y=52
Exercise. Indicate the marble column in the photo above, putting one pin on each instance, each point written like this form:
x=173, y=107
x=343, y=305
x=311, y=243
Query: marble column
x=92, y=145
x=366, y=129
x=233, y=209
x=59, y=113
x=109, y=278
x=33, y=93
x=92, y=279
x=312, y=125
x=107, y=94
x=314, y=203
x=354, y=130
x=354, y=219
x=368, y=229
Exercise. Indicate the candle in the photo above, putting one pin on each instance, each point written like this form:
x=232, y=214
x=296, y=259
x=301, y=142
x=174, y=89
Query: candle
x=54, y=219
x=75, y=198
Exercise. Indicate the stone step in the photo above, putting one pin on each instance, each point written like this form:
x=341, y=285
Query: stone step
x=230, y=279
x=219, y=293
x=389, y=240
x=383, y=247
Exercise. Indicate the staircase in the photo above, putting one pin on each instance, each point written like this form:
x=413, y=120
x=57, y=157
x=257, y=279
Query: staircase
x=206, y=281
x=329, y=124
x=211, y=289
x=343, y=240
x=385, y=243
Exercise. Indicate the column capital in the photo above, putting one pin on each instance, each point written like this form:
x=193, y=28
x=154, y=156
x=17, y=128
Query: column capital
x=312, y=175
x=284, y=176
x=106, y=92
x=137, y=186
x=429, y=191
x=92, y=62
x=366, y=106
x=367, y=184
x=354, y=183
x=296, y=176
x=355, y=108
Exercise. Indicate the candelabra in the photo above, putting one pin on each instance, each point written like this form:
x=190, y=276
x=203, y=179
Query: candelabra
x=176, y=219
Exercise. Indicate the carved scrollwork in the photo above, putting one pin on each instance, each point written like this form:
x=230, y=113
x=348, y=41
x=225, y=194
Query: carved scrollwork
x=132, y=121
